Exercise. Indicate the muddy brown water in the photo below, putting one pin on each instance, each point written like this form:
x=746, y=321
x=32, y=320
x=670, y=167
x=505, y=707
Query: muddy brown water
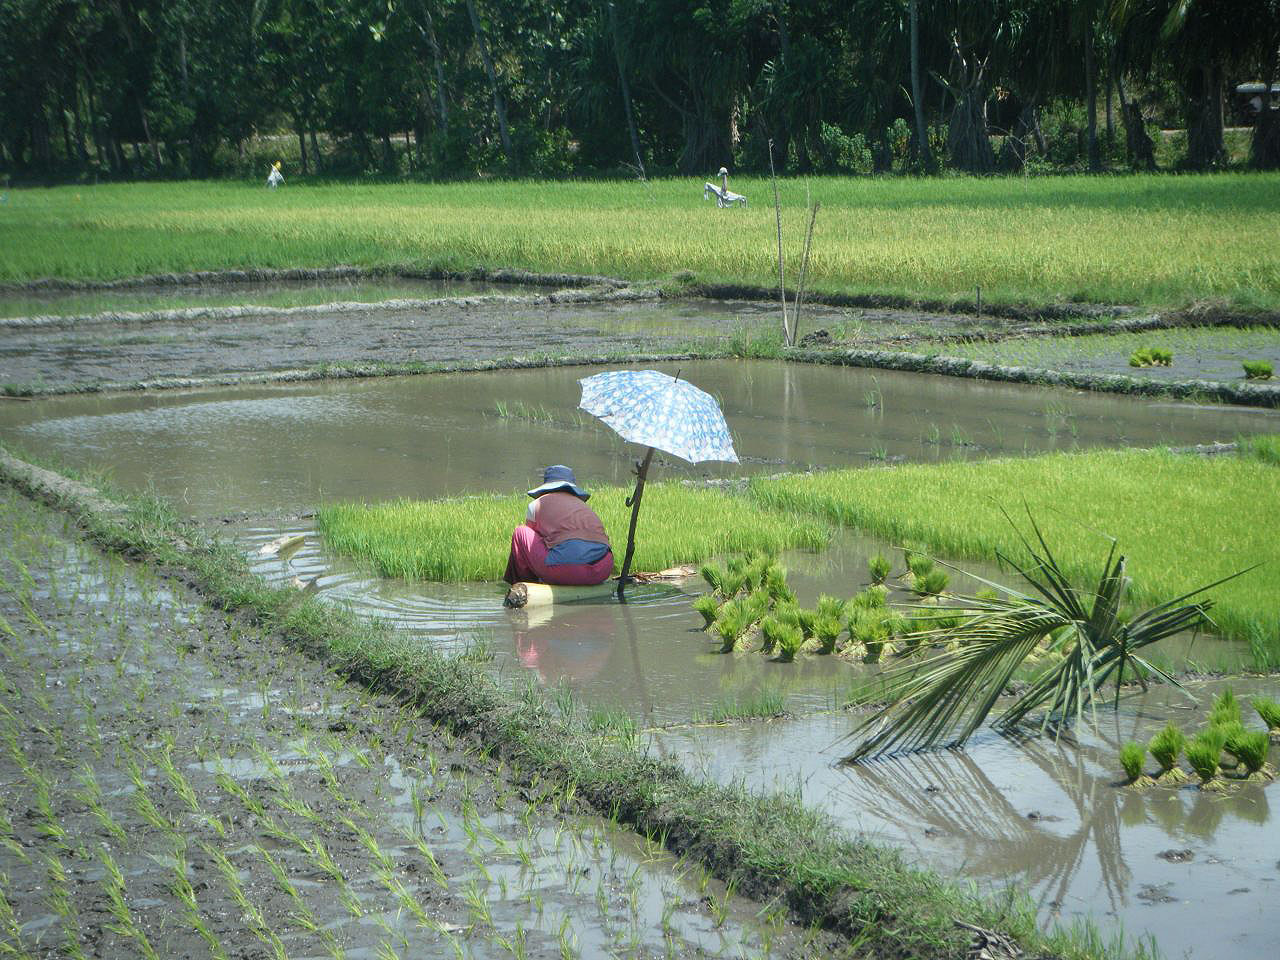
x=1196, y=870
x=283, y=449
x=287, y=448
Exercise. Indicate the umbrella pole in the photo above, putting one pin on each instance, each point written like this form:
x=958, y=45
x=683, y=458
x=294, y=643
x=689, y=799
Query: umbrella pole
x=634, y=503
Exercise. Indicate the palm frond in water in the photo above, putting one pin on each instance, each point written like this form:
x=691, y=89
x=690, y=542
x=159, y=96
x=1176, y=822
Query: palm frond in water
x=941, y=699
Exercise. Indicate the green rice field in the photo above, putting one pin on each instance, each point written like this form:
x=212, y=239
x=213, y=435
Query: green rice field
x=1150, y=240
x=1182, y=521
x=467, y=538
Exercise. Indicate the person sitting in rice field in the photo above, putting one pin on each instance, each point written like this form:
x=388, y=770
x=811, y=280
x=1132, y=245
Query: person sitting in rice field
x=561, y=541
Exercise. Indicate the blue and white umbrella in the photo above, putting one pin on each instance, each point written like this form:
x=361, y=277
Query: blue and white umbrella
x=658, y=410
x=661, y=412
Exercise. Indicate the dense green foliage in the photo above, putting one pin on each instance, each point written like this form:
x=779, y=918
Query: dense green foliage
x=456, y=87
x=1182, y=521
x=1131, y=240
x=467, y=538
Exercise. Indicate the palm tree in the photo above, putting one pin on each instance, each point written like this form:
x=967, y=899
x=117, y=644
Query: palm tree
x=943, y=699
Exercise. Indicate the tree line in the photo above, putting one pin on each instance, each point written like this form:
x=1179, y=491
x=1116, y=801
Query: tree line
x=441, y=88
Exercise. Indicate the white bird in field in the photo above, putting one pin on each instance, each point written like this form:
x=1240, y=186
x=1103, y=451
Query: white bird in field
x=724, y=196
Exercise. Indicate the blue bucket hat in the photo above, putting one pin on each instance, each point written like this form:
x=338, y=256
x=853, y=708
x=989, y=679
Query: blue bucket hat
x=559, y=477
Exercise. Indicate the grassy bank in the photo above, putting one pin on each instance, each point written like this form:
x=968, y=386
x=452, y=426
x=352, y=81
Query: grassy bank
x=769, y=846
x=1143, y=239
x=1183, y=521
x=467, y=538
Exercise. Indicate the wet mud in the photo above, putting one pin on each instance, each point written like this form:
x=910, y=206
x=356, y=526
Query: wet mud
x=1196, y=870
x=272, y=450
x=177, y=784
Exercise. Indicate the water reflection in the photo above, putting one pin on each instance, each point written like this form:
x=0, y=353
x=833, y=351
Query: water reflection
x=1054, y=818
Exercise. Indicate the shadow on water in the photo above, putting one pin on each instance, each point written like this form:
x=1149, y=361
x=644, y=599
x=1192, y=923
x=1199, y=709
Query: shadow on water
x=1054, y=818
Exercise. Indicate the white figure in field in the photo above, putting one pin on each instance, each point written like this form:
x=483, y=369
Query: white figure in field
x=275, y=177
x=724, y=196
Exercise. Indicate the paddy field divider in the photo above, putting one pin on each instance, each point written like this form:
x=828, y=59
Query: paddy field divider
x=770, y=845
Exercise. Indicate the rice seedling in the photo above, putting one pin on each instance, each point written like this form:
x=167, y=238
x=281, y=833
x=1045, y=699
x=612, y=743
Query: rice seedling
x=1073, y=496
x=873, y=597
x=91, y=797
x=1151, y=357
x=760, y=704
x=467, y=539
x=879, y=568
x=1257, y=369
x=1166, y=747
x=1226, y=709
x=713, y=574
x=707, y=605
x=930, y=584
x=58, y=900
x=1269, y=711
x=918, y=564
x=1203, y=757
x=123, y=922
x=774, y=582
x=948, y=696
x=11, y=943
x=252, y=913
x=732, y=621
x=789, y=640
x=1132, y=756
x=1251, y=750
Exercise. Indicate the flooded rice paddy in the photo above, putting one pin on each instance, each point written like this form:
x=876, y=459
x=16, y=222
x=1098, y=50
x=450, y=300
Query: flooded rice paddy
x=170, y=776
x=279, y=449
x=1198, y=870
x=1050, y=817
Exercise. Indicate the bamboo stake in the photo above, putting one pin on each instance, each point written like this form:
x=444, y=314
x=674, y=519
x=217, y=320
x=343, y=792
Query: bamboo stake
x=804, y=268
x=787, y=336
x=633, y=502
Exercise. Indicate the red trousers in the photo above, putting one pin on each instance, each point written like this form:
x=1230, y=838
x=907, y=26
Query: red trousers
x=528, y=561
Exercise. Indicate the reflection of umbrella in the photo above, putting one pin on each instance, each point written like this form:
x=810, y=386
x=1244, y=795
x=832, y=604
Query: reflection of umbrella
x=658, y=411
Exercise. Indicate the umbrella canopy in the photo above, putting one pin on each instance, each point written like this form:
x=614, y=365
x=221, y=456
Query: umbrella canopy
x=658, y=410
x=661, y=412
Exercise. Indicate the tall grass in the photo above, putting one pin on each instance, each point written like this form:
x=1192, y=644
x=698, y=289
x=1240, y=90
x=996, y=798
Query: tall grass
x=1182, y=521
x=467, y=538
x=1142, y=239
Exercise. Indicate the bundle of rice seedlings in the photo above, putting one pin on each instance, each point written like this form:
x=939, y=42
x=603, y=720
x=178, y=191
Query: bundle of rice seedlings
x=790, y=640
x=873, y=630
x=1166, y=746
x=986, y=593
x=930, y=583
x=805, y=619
x=829, y=606
x=756, y=606
x=1203, y=753
x=731, y=623
x=1269, y=711
x=827, y=629
x=714, y=575
x=1132, y=756
x=1204, y=761
x=879, y=568
x=1257, y=369
x=1231, y=731
x=1251, y=749
x=707, y=605
x=918, y=564
x=872, y=598
x=1226, y=709
x=770, y=632
x=775, y=582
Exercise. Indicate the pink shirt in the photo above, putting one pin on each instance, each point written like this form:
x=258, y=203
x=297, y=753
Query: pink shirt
x=561, y=516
